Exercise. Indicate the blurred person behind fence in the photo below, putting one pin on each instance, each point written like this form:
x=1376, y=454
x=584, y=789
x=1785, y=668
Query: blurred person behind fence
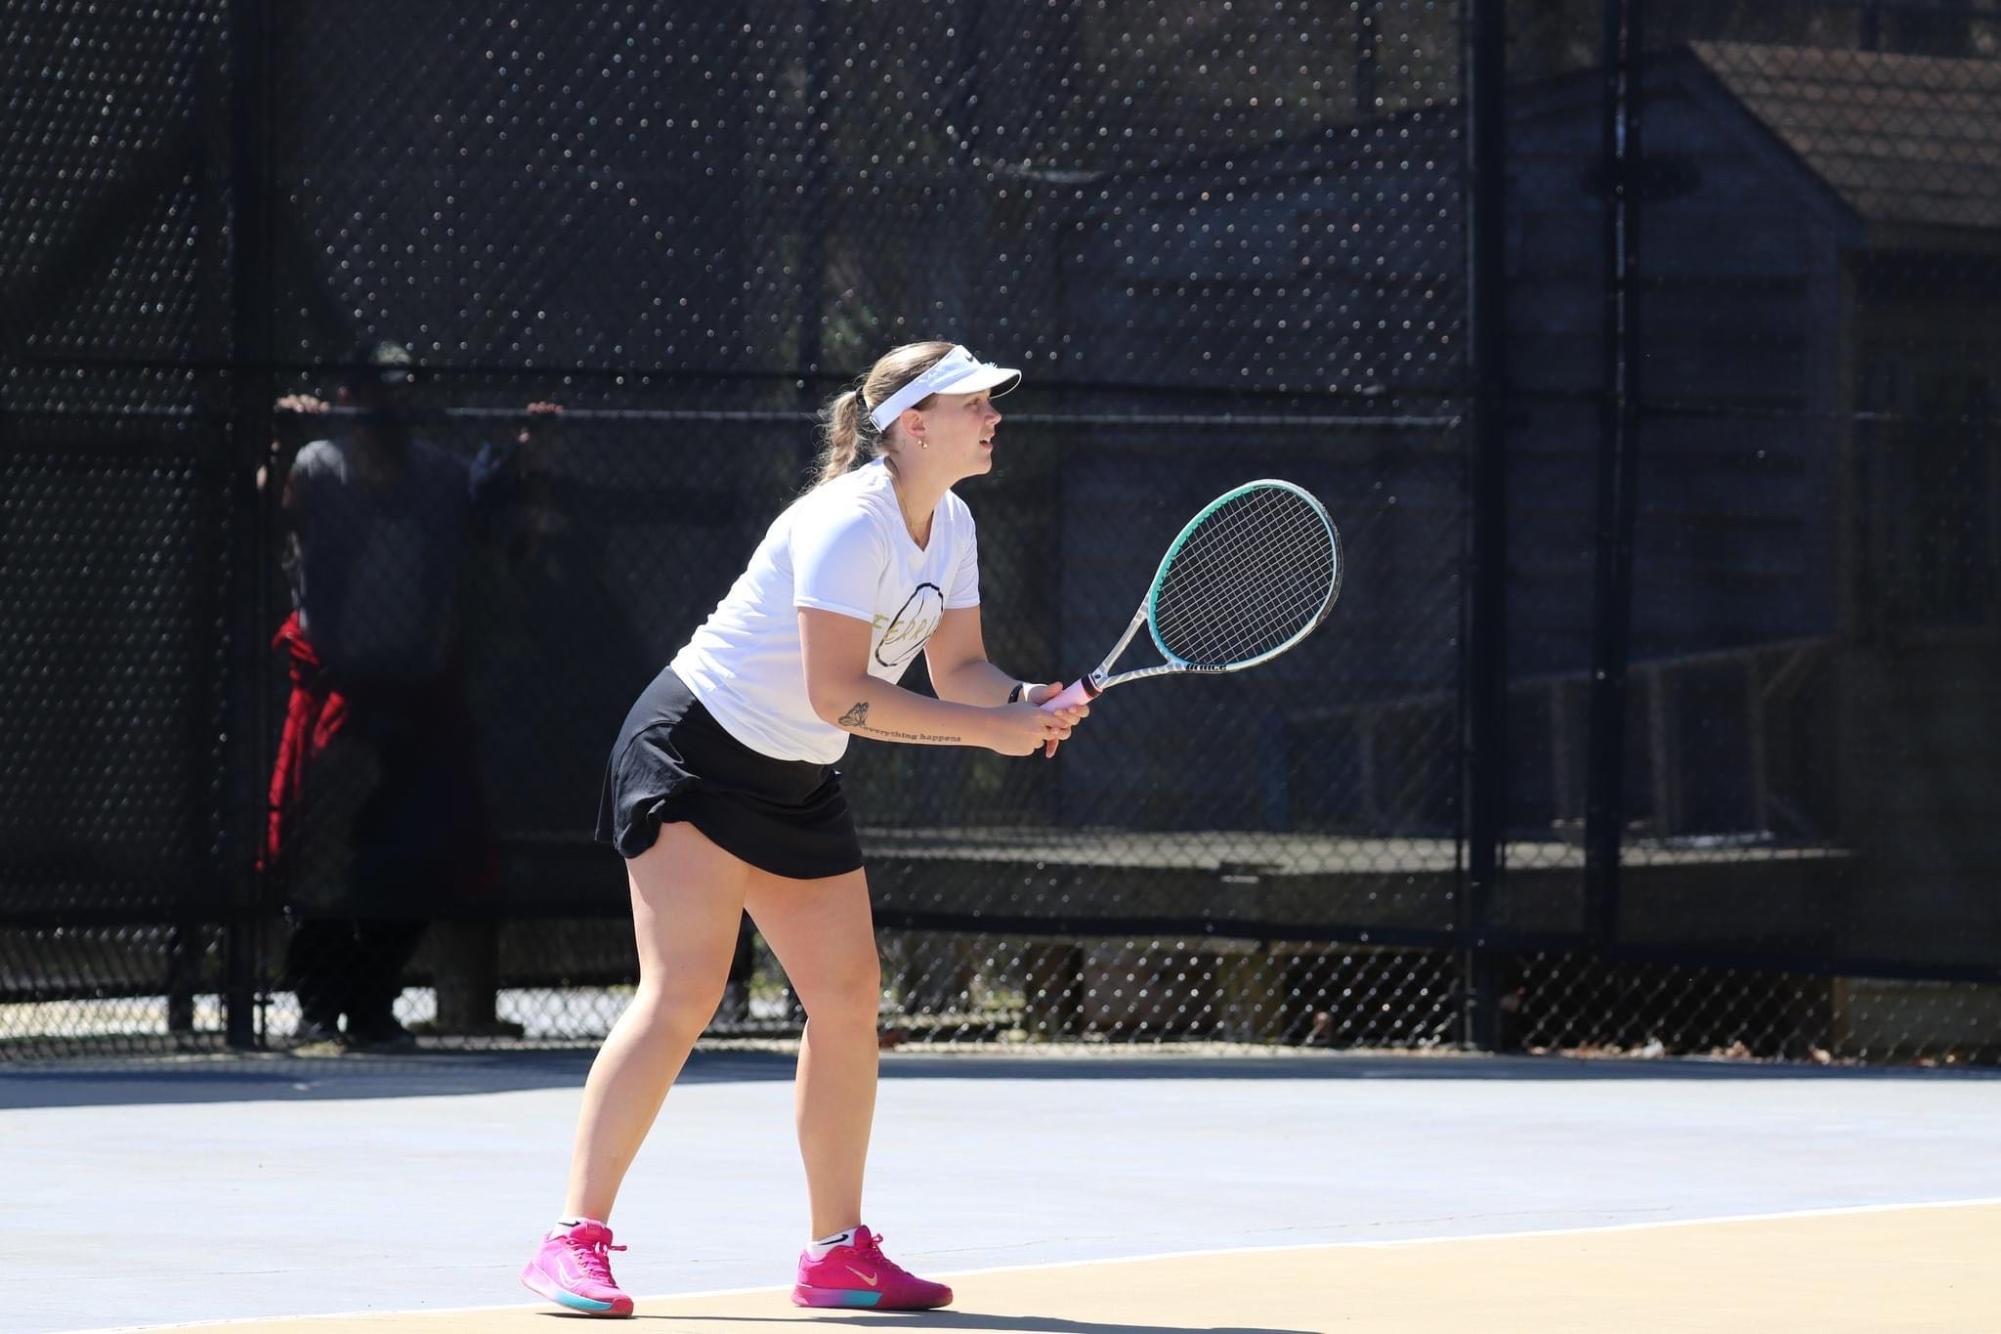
x=376, y=810
x=722, y=796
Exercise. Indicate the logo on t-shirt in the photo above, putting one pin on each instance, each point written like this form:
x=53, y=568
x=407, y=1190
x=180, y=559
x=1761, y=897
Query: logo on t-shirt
x=912, y=626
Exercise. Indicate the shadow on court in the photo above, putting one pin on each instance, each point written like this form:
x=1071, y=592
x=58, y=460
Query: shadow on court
x=282, y=1078
x=1028, y=1324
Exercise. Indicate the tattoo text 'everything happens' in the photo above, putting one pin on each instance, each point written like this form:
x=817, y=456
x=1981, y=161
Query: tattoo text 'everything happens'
x=857, y=719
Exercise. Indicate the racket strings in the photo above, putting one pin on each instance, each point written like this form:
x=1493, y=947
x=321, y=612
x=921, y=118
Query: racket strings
x=1255, y=574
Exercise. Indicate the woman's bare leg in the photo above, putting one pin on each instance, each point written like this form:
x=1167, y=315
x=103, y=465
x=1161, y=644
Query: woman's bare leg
x=823, y=934
x=687, y=899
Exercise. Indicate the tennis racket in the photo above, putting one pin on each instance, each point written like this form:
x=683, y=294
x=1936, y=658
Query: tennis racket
x=1250, y=576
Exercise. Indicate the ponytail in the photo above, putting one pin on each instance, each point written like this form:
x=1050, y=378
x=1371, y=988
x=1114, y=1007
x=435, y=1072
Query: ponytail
x=842, y=422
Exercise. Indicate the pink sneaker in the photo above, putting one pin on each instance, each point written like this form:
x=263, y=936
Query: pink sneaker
x=573, y=1269
x=859, y=1274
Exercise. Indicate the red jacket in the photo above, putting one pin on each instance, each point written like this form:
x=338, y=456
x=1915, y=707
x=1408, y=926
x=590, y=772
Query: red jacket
x=313, y=717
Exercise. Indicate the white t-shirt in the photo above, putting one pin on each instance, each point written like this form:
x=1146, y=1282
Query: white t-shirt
x=842, y=547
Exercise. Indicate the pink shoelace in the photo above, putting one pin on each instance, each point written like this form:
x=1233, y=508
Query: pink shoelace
x=593, y=1260
x=873, y=1250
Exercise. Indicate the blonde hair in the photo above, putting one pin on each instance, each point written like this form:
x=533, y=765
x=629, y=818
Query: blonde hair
x=844, y=420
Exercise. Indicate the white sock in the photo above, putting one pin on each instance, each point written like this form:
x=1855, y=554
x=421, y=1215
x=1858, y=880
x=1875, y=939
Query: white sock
x=565, y=1224
x=818, y=1250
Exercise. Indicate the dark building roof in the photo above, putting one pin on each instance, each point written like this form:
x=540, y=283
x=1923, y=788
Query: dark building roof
x=1904, y=139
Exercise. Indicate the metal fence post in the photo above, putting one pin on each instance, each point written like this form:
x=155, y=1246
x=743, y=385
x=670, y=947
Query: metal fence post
x=1486, y=639
x=1617, y=499
x=251, y=383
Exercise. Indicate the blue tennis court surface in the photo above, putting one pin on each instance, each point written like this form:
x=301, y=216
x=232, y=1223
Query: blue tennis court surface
x=262, y=1187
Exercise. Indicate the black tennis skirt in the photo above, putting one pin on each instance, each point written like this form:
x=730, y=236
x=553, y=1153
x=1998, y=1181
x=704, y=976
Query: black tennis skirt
x=673, y=762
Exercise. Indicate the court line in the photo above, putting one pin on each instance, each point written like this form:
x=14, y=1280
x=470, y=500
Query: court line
x=1829, y=1212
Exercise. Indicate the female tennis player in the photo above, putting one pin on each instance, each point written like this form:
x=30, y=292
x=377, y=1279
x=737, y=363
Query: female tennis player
x=722, y=796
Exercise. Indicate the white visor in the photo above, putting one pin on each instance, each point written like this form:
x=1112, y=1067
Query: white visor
x=957, y=372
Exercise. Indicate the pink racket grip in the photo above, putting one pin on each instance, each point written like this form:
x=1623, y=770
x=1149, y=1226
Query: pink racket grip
x=1078, y=692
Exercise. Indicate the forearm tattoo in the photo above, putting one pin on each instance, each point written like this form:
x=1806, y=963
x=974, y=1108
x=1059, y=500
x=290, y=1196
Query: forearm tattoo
x=857, y=718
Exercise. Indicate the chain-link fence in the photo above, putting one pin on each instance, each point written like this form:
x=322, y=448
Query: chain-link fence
x=1642, y=358
x=1751, y=651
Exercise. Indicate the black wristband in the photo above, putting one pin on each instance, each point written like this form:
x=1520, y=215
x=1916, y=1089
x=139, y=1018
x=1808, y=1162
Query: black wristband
x=1014, y=695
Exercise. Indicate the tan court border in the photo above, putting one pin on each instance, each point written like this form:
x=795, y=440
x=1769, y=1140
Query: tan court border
x=1932, y=1267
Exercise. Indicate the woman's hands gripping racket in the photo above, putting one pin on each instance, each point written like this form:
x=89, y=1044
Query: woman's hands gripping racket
x=1249, y=577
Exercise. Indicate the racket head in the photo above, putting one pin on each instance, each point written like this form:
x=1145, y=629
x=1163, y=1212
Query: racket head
x=1255, y=572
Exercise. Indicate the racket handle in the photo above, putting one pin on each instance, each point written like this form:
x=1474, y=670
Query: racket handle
x=1078, y=692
